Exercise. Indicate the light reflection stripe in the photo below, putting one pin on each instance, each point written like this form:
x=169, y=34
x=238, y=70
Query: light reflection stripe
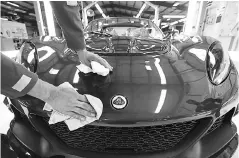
x=161, y=100
x=76, y=77
x=49, y=50
x=148, y=67
x=163, y=81
x=160, y=71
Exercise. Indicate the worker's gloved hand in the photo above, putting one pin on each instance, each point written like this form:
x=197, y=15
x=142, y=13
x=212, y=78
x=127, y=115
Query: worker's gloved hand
x=64, y=100
x=68, y=101
x=86, y=57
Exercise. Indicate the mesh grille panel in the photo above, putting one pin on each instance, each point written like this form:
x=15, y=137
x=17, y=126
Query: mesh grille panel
x=124, y=139
x=217, y=124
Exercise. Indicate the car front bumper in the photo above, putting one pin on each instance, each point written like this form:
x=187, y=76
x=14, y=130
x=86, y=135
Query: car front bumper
x=215, y=144
x=218, y=144
x=222, y=141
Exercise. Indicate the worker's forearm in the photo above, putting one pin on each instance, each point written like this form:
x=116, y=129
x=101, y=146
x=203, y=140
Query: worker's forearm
x=16, y=80
x=42, y=90
x=68, y=17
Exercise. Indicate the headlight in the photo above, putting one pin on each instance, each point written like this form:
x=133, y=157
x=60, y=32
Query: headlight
x=218, y=63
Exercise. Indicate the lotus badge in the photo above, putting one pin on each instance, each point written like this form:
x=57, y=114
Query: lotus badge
x=119, y=102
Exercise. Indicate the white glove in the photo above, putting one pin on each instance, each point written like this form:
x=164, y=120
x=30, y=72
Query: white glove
x=64, y=100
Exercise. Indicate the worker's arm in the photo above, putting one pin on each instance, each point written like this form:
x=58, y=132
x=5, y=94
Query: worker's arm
x=17, y=81
x=68, y=17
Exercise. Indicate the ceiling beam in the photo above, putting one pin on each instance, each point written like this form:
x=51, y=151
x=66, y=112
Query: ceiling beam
x=100, y=10
x=103, y=4
x=6, y=10
x=116, y=14
x=134, y=7
x=147, y=10
x=84, y=3
x=122, y=14
x=23, y=17
x=29, y=3
x=20, y=6
x=111, y=5
x=134, y=4
x=169, y=5
x=141, y=10
x=163, y=11
x=124, y=7
x=15, y=7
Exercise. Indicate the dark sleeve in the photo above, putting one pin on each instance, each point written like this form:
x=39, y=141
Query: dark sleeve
x=16, y=80
x=68, y=17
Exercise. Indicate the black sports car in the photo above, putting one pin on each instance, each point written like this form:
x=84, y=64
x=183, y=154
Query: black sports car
x=161, y=100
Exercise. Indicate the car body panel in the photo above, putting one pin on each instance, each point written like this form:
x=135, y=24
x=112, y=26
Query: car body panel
x=203, y=148
x=158, y=86
x=162, y=84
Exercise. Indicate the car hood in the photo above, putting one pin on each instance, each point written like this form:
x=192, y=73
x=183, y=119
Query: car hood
x=154, y=88
x=161, y=86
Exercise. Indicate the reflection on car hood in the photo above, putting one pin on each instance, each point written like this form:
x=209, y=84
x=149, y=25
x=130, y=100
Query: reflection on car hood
x=125, y=44
x=168, y=85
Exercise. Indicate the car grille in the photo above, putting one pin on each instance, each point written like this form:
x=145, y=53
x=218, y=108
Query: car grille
x=124, y=139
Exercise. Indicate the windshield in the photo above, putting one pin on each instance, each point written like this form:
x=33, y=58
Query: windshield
x=139, y=28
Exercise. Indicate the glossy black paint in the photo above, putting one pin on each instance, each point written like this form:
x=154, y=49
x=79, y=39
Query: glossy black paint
x=51, y=145
x=159, y=85
x=163, y=84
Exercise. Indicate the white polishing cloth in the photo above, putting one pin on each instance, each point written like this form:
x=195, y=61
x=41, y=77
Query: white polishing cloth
x=73, y=123
x=96, y=68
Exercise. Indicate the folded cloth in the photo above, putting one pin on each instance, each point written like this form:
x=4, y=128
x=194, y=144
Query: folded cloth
x=73, y=123
x=96, y=68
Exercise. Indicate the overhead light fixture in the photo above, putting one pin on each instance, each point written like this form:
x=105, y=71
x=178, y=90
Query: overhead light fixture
x=13, y=4
x=176, y=4
x=18, y=10
x=174, y=16
x=12, y=13
x=173, y=23
x=181, y=20
x=99, y=9
x=17, y=17
x=163, y=23
x=32, y=14
x=5, y=6
x=168, y=19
